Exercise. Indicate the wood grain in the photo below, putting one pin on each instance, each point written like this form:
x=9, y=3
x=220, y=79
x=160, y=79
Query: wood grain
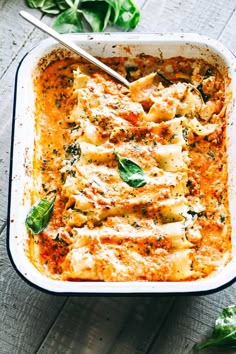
x=228, y=36
x=201, y=16
x=17, y=37
x=106, y=325
x=190, y=321
x=26, y=314
x=14, y=32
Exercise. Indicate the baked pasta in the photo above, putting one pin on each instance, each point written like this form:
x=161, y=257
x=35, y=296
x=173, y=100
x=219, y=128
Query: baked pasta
x=135, y=179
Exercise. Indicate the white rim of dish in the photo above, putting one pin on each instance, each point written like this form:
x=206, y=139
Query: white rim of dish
x=25, y=268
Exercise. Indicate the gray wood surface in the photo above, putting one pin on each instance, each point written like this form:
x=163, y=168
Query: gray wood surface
x=35, y=322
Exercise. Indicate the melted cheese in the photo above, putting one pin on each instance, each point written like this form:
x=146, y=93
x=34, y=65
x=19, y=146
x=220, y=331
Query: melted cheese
x=174, y=228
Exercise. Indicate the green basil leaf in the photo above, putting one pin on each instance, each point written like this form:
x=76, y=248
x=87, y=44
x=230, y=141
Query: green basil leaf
x=74, y=14
x=50, y=7
x=63, y=4
x=115, y=6
x=130, y=172
x=96, y=14
x=129, y=15
x=39, y=215
x=35, y=3
x=46, y=6
x=68, y=21
x=224, y=332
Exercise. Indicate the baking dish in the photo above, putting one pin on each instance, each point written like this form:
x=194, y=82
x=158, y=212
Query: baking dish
x=106, y=45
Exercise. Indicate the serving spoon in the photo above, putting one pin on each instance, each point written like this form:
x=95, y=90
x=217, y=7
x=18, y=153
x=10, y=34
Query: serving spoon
x=72, y=46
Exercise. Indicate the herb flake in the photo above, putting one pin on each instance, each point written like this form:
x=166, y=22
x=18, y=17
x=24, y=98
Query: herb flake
x=39, y=215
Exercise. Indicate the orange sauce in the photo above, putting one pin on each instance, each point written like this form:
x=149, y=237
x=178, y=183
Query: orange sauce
x=207, y=179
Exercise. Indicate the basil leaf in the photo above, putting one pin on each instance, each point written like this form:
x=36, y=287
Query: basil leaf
x=224, y=333
x=129, y=15
x=96, y=14
x=50, y=7
x=35, y=3
x=74, y=14
x=63, y=4
x=39, y=215
x=114, y=6
x=46, y=6
x=68, y=21
x=130, y=172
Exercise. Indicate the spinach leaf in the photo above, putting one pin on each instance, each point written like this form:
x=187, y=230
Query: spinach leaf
x=204, y=96
x=224, y=333
x=129, y=15
x=69, y=21
x=46, y=6
x=73, y=152
x=130, y=172
x=39, y=215
x=163, y=77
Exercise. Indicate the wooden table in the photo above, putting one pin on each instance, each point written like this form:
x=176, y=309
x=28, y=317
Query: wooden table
x=35, y=322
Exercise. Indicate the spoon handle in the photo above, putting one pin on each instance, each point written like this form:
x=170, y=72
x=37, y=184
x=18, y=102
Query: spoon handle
x=72, y=46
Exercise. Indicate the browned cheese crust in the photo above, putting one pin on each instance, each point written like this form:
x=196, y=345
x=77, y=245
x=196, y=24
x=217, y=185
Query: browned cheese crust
x=172, y=123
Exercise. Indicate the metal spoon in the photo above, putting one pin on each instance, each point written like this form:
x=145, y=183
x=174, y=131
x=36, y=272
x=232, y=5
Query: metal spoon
x=72, y=46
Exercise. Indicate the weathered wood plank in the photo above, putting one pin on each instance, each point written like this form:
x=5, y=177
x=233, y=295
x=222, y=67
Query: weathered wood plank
x=26, y=314
x=25, y=38
x=14, y=32
x=227, y=37
x=139, y=331
x=106, y=325
x=201, y=16
x=190, y=321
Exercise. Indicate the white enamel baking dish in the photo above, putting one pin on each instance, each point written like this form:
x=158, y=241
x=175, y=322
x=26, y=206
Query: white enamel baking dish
x=107, y=45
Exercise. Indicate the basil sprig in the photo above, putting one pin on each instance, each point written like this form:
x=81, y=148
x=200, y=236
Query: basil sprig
x=89, y=15
x=130, y=172
x=39, y=215
x=224, y=333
